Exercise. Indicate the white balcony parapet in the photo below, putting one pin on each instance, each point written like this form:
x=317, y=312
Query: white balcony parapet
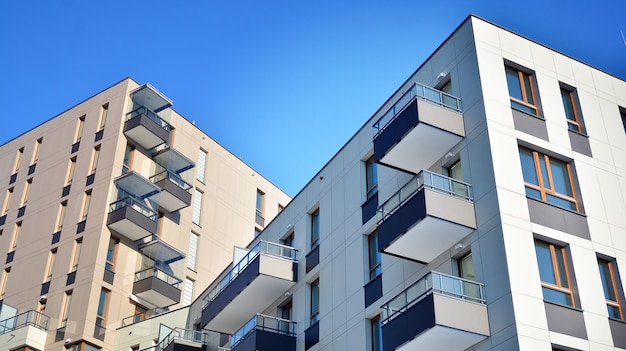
x=420, y=91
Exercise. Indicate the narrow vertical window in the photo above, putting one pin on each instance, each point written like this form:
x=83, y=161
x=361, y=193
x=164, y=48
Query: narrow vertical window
x=260, y=203
x=191, y=252
x=7, y=201
x=65, y=310
x=522, y=90
x=572, y=108
x=50, y=265
x=315, y=228
x=103, y=306
x=86, y=203
x=3, y=282
x=610, y=285
x=376, y=331
x=374, y=255
x=79, y=129
x=94, y=159
x=111, y=254
x=78, y=244
x=554, y=272
x=200, y=165
x=36, y=151
x=622, y=112
x=188, y=292
x=18, y=158
x=466, y=267
x=197, y=207
x=61, y=216
x=70, y=171
x=27, y=186
x=103, y=116
x=128, y=159
x=371, y=177
x=315, y=302
x=16, y=235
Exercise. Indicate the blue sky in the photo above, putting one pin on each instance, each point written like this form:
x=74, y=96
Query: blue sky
x=281, y=84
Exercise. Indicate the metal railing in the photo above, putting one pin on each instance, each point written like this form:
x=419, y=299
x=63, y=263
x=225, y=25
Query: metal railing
x=136, y=318
x=31, y=317
x=433, y=282
x=182, y=334
x=173, y=177
x=142, y=110
x=263, y=322
x=159, y=274
x=416, y=90
x=428, y=179
x=137, y=205
x=262, y=247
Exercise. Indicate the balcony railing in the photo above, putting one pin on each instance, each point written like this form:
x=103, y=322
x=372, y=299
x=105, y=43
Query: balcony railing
x=421, y=91
x=263, y=322
x=159, y=274
x=148, y=113
x=173, y=177
x=135, y=204
x=263, y=247
x=429, y=180
x=32, y=318
x=433, y=282
x=182, y=334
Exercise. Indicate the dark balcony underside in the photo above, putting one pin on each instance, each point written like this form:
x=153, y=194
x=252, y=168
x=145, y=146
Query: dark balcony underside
x=156, y=292
x=173, y=197
x=262, y=340
x=130, y=223
x=145, y=132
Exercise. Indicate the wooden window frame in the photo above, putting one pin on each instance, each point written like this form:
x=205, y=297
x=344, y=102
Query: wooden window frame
x=572, y=96
x=128, y=166
x=50, y=265
x=7, y=200
x=78, y=245
x=16, y=234
x=84, y=212
x=94, y=159
x=3, y=282
x=36, y=150
x=104, y=112
x=101, y=318
x=18, y=159
x=110, y=264
x=65, y=308
x=61, y=216
x=70, y=171
x=531, y=81
x=615, y=283
x=79, y=129
x=557, y=274
x=29, y=183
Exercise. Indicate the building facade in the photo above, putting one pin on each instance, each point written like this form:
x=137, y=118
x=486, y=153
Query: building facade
x=482, y=207
x=109, y=217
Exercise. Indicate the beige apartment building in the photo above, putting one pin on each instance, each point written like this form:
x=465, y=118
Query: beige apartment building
x=114, y=211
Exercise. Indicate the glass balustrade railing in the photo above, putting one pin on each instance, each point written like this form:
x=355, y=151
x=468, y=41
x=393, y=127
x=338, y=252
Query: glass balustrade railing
x=32, y=317
x=421, y=91
x=148, y=113
x=433, y=282
x=159, y=274
x=263, y=322
x=173, y=177
x=137, y=205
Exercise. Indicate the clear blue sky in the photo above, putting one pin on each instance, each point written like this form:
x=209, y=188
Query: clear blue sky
x=282, y=84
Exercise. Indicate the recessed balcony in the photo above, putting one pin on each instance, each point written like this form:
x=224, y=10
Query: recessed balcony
x=175, y=192
x=156, y=281
x=438, y=312
x=263, y=275
x=146, y=128
x=265, y=333
x=427, y=216
x=131, y=218
x=418, y=129
x=28, y=329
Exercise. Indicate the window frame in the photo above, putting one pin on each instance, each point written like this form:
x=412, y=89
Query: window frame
x=315, y=228
x=127, y=162
x=79, y=129
x=260, y=203
x=65, y=308
x=94, y=159
x=3, y=282
x=70, y=171
x=375, y=266
x=50, y=264
x=78, y=246
x=36, y=150
x=84, y=212
x=531, y=81
x=371, y=178
x=104, y=112
x=376, y=333
x=7, y=200
x=102, y=311
x=556, y=272
x=109, y=264
x=314, y=314
x=569, y=95
x=615, y=284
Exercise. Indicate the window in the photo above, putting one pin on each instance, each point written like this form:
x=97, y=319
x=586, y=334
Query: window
x=188, y=292
x=82, y=346
x=94, y=159
x=200, y=165
x=103, y=116
x=315, y=301
x=374, y=256
x=622, y=112
x=548, y=179
x=260, y=203
x=65, y=311
x=16, y=234
x=7, y=201
x=3, y=282
x=191, y=253
x=86, y=202
x=197, y=207
x=103, y=305
x=61, y=216
x=128, y=159
x=466, y=267
x=315, y=228
x=285, y=310
x=140, y=312
x=18, y=158
x=36, y=151
x=610, y=284
x=50, y=265
x=522, y=90
x=79, y=129
x=76, y=254
x=572, y=108
x=371, y=177
x=111, y=254
x=29, y=182
x=376, y=331
x=70, y=171
x=554, y=272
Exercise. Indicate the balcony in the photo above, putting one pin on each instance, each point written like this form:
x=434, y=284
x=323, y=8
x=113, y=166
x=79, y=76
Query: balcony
x=263, y=275
x=183, y=340
x=427, y=216
x=131, y=218
x=438, y=312
x=173, y=177
x=25, y=329
x=418, y=129
x=157, y=280
x=265, y=333
x=146, y=128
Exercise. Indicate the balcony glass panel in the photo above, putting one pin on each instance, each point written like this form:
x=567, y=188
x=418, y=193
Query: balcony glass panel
x=137, y=186
x=32, y=318
x=142, y=110
x=160, y=260
x=136, y=204
x=263, y=322
x=183, y=334
x=159, y=274
x=173, y=177
x=420, y=91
